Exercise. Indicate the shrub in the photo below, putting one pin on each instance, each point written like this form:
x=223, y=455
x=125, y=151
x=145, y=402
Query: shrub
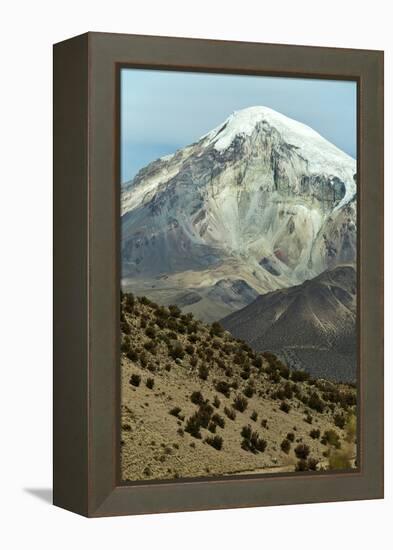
x=132, y=355
x=312, y=463
x=150, y=346
x=308, y=419
x=216, y=329
x=316, y=403
x=189, y=349
x=257, y=362
x=305, y=465
x=129, y=302
x=246, y=432
x=301, y=465
x=240, y=403
x=251, y=441
x=302, y=450
x=175, y=411
x=150, y=383
x=231, y=413
x=135, y=380
x=177, y=351
x=150, y=331
x=212, y=427
x=193, y=426
x=216, y=442
x=249, y=390
x=285, y=446
x=143, y=359
x=299, y=375
x=291, y=437
x=216, y=402
x=330, y=437
x=285, y=407
x=339, y=420
x=174, y=311
x=204, y=414
x=218, y=420
x=125, y=327
x=315, y=434
x=197, y=398
x=203, y=372
x=264, y=423
x=223, y=387
x=254, y=416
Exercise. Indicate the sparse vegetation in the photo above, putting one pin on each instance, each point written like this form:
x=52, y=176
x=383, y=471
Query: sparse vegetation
x=240, y=403
x=302, y=450
x=216, y=442
x=150, y=383
x=196, y=372
x=285, y=446
x=135, y=380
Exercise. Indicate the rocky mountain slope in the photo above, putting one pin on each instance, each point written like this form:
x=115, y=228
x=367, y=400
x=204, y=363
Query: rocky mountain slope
x=260, y=203
x=197, y=402
x=311, y=326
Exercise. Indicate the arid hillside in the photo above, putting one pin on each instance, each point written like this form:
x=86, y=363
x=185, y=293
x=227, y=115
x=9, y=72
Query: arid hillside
x=197, y=402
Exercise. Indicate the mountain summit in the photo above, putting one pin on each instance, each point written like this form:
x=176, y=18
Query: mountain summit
x=261, y=202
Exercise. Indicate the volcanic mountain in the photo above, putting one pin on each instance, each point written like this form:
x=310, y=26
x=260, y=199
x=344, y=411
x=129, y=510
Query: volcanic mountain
x=310, y=326
x=260, y=203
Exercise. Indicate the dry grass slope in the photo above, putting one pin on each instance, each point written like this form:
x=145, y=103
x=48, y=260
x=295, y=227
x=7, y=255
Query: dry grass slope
x=198, y=402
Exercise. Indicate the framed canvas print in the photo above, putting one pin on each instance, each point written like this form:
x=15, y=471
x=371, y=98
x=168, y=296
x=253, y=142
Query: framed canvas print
x=218, y=274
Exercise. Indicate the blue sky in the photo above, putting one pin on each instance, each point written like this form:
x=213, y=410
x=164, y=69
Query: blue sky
x=162, y=111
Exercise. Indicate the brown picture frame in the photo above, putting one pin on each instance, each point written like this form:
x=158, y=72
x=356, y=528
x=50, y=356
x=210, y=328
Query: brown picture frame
x=86, y=273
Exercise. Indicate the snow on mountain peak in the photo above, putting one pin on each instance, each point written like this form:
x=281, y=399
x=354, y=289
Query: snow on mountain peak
x=321, y=155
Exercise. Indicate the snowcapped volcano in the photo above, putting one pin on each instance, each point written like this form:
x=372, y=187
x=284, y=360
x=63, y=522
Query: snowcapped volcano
x=259, y=203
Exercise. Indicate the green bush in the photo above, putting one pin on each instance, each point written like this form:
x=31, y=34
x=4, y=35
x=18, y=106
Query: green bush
x=193, y=426
x=254, y=416
x=135, y=380
x=315, y=434
x=249, y=390
x=132, y=355
x=285, y=407
x=197, y=398
x=230, y=413
x=299, y=375
x=285, y=446
x=330, y=437
x=174, y=311
x=223, y=387
x=150, y=383
x=339, y=420
x=240, y=403
x=218, y=420
x=203, y=372
x=216, y=442
x=302, y=450
x=190, y=349
x=216, y=329
x=175, y=411
x=177, y=351
x=291, y=437
x=251, y=441
x=212, y=427
x=150, y=331
x=316, y=403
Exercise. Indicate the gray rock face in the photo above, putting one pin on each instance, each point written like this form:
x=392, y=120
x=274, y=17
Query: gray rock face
x=261, y=199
